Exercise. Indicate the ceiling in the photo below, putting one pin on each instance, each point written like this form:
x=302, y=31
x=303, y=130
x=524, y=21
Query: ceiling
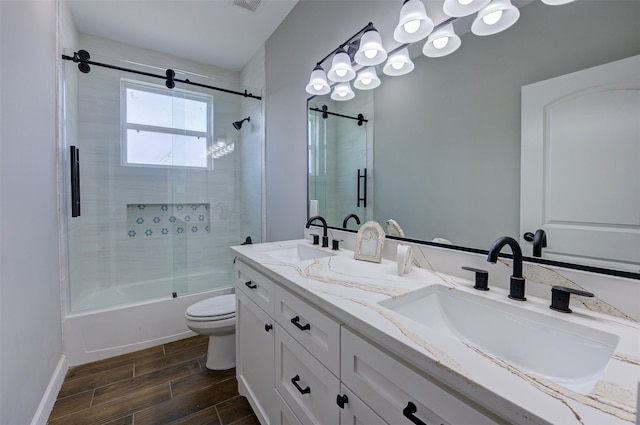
x=214, y=32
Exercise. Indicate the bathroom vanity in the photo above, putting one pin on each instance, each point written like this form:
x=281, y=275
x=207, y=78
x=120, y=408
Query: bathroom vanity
x=325, y=339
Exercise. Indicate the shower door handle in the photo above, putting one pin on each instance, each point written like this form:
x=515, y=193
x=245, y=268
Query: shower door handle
x=75, y=181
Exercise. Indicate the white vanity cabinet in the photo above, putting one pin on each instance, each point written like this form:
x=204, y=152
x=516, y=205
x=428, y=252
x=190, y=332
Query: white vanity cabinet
x=306, y=367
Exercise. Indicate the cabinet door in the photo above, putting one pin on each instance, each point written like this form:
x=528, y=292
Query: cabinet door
x=255, y=357
x=396, y=392
x=307, y=387
x=353, y=411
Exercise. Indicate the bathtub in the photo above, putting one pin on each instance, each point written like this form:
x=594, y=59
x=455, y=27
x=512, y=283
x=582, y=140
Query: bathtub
x=97, y=333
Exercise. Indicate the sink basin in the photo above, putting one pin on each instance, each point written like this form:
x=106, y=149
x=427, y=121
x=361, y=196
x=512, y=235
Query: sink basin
x=298, y=252
x=571, y=355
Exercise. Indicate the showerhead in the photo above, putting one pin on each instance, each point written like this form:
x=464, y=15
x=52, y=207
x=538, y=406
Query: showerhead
x=238, y=124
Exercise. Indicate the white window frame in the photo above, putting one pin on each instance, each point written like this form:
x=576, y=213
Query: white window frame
x=158, y=89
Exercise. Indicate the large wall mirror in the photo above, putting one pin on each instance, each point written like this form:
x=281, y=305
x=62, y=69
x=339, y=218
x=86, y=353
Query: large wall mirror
x=444, y=142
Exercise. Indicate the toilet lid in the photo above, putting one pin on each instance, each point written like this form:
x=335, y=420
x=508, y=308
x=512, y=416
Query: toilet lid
x=220, y=307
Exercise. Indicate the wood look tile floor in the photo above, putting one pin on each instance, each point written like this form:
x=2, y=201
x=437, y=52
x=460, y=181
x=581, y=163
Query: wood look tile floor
x=167, y=384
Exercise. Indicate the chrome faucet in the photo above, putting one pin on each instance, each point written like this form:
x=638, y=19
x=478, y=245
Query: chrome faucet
x=325, y=237
x=346, y=219
x=516, y=286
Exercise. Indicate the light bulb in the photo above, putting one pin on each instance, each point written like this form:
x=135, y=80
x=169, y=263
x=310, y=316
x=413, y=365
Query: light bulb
x=464, y=2
x=341, y=72
x=370, y=53
x=492, y=18
x=366, y=81
x=317, y=86
x=441, y=42
x=412, y=26
x=397, y=65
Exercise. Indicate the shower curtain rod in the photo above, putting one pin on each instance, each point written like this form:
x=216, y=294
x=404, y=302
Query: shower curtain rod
x=82, y=58
x=325, y=111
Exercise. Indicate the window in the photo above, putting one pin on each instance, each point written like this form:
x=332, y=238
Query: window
x=163, y=127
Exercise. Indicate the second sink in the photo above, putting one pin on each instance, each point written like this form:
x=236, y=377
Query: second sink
x=571, y=355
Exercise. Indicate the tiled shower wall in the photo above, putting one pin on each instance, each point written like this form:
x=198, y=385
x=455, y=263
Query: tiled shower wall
x=142, y=224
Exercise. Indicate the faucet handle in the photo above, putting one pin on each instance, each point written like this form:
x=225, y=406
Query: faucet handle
x=560, y=297
x=482, y=278
x=316, y=238
x=335, y=244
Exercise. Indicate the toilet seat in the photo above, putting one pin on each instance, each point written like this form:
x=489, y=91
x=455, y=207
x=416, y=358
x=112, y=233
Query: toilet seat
x=213, y=309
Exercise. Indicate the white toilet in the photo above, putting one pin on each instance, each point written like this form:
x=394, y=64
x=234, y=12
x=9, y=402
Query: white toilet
x=216, y=317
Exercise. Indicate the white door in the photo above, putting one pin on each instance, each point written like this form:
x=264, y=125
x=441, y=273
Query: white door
x=580, y=175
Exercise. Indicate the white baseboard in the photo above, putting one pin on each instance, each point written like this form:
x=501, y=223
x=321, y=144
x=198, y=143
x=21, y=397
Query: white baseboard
x=51, y=394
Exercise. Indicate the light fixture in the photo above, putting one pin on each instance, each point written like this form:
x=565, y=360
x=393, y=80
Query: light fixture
x=342, y=92
x=458, y=8
x=441, y=42
x=370, y=51
x=556, y=2
x=318, y=83
x=399, y=63
x=497, y=16
x=341, y=69
x=414, y=24
x=367, y=79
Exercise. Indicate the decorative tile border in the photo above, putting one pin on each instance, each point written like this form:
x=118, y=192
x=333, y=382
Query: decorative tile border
x=163, y=220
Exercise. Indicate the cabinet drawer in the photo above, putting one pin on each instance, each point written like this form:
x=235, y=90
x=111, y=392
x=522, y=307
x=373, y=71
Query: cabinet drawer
x=257, y=287
x=310, y=327
x=355, y=411
x=284, y=415
x=307, y=387
x=396, y=393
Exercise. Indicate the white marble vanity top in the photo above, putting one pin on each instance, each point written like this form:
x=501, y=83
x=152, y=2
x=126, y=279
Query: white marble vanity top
x=350, y=291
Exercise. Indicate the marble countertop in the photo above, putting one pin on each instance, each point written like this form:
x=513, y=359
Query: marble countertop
x=350, y=291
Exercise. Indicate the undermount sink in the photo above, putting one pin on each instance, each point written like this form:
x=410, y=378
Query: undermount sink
x=297, y=252
x=571, y=355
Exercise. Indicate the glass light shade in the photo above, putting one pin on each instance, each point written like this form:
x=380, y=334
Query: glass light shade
x=318, y=83
x=556, y=2
x=457, y=8
x=370, y=51
x=341, y=69
x=501, y=11
x=399, y=63
x=342, y=92
x=441, y=42
x=414, y=24
x=367, y=79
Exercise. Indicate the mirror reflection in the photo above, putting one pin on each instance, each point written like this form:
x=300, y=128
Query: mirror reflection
x=444, y=157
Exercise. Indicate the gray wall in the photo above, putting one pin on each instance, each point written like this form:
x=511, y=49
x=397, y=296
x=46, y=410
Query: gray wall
x=30, y=314
x=312, y=30
x=447, y=135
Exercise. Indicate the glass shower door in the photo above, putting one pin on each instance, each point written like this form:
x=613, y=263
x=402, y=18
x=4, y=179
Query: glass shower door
x=162, y=175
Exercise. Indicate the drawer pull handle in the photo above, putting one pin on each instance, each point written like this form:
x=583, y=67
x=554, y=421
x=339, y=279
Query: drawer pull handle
x=342, y=400
x=251, y=285
x=409, y=411
x=296, y=321
x=268, y=327
x=295, y=380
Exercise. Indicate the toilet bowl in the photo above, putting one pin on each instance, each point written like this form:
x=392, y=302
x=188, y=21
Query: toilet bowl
x=216, y=317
